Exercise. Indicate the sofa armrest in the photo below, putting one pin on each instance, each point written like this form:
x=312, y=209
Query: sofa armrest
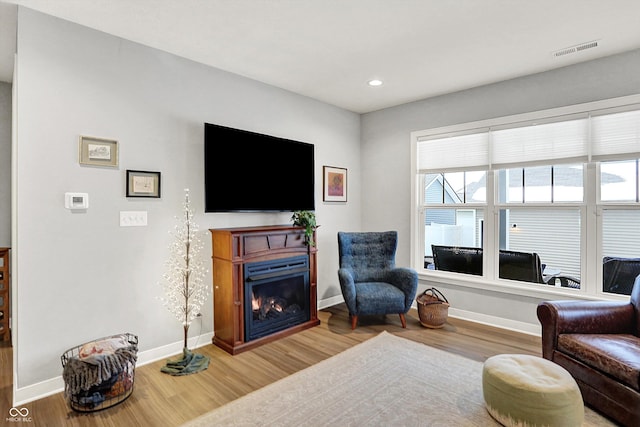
x=582, y=317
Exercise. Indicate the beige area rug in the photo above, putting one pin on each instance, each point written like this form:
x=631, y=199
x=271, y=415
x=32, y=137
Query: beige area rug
x=384, y=381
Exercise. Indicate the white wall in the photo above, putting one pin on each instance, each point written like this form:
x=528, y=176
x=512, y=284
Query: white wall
x=5, y=164
x=386, y=196
x=79, y=276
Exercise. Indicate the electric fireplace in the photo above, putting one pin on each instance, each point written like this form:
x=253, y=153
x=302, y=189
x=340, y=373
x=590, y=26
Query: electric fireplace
x=264, y=285
x=276, y=295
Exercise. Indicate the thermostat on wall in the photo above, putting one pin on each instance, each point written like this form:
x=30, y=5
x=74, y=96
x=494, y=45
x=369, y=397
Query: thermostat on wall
x=76, y=200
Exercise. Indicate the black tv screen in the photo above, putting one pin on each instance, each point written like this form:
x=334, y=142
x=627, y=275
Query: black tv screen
x=253, y=172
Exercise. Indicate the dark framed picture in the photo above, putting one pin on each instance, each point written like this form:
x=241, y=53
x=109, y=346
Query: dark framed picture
x=143, y=184
x=98, y=152
x=335, y=184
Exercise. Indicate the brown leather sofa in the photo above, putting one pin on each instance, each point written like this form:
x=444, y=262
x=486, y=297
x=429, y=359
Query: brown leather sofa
x=598, y=342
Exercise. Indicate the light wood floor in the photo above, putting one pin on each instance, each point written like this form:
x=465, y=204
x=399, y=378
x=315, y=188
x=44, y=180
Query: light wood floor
x=163, y=400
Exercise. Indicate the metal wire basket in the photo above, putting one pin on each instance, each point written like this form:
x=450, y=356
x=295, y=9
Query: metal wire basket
x=108, y=392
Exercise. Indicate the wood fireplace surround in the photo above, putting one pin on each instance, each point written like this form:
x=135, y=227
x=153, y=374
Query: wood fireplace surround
x=232, y=248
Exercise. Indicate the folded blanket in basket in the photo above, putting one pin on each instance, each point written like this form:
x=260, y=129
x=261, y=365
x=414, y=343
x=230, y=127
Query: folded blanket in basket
x=104, y=346
x=103, y=359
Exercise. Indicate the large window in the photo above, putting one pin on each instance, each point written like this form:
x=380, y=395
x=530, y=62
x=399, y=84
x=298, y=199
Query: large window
x=540, y=200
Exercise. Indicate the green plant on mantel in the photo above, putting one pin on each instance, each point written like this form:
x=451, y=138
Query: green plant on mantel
x=306, y=219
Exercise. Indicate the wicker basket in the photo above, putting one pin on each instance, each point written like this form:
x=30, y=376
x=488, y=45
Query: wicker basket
x=433, y=308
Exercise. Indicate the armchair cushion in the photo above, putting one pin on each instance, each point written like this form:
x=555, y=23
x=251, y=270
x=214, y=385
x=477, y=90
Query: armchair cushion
x=379, y=298
x=614, y=354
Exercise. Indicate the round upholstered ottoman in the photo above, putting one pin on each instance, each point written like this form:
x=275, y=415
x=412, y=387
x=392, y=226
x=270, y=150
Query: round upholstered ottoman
x=523, y=390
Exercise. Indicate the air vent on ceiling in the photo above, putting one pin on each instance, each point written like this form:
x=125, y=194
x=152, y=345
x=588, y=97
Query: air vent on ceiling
x=577, y=48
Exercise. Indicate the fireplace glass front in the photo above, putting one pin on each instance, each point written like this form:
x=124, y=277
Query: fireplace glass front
x=276, y=295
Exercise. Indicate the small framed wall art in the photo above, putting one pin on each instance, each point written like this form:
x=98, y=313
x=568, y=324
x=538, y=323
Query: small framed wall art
x=143, y=184
x=335, y=184
x=98, y=152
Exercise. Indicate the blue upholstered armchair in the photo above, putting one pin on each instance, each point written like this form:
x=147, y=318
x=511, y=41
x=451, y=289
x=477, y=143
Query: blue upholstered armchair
x=371, y=284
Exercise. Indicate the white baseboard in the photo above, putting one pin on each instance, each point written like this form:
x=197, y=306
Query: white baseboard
x=171, y=350
x=485, y=319
x=56, y=385
x=498, y=322
x=329, y=302
x=37, y=391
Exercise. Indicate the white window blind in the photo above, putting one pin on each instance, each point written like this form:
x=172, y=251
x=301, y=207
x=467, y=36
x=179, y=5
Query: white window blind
x=605, y=134
x=455, y=153
x=616, y=135
x=560, y=142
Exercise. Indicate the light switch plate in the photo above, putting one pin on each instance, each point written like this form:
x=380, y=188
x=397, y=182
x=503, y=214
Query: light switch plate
x=133, y=218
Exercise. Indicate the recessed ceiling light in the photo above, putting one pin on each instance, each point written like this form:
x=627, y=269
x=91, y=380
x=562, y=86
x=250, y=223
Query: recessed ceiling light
x=375, y=82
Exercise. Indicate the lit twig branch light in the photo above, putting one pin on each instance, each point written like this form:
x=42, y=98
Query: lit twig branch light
x=184, y=286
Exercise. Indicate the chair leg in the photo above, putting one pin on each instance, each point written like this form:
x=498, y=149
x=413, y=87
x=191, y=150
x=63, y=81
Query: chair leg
x=403, y=320
x=354, y=321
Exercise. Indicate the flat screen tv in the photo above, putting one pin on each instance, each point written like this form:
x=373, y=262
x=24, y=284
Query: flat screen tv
x=251, y=172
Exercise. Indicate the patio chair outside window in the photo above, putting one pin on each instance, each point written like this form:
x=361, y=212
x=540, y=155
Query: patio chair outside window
x=619, y=274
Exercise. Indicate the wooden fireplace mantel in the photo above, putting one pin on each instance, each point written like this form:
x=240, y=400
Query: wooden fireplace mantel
x=234, y=247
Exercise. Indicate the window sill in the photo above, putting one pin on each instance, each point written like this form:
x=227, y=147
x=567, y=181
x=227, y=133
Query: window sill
x=540, y=291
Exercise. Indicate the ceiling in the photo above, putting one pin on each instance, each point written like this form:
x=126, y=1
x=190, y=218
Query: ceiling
x=330, y=49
